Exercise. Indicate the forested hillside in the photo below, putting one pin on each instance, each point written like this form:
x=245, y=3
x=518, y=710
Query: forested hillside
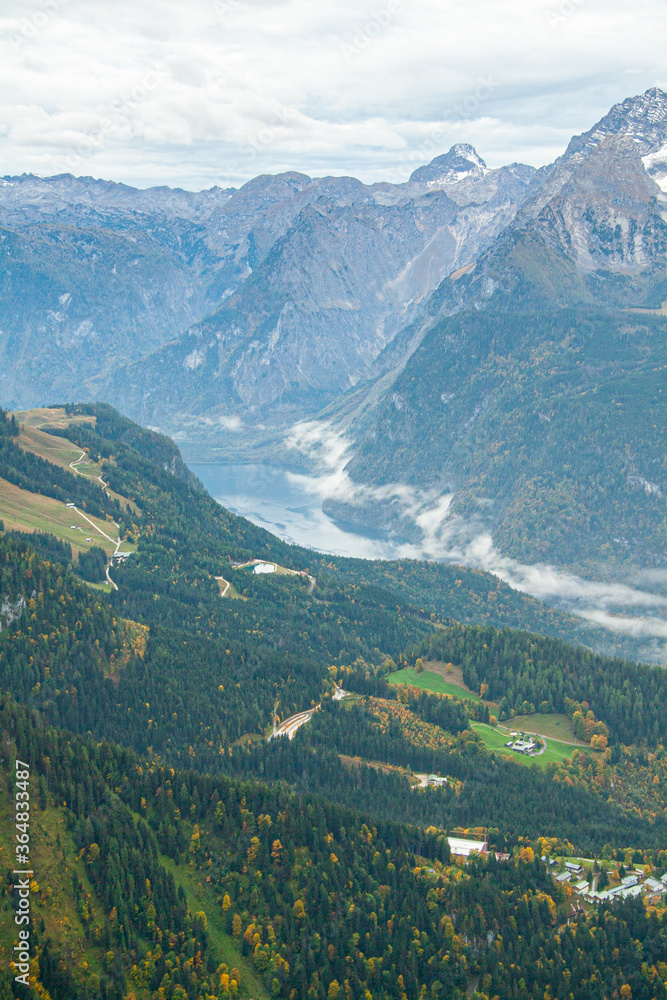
x=512, y=410
x=178, y=853
x=524, y=672
x=312, y=898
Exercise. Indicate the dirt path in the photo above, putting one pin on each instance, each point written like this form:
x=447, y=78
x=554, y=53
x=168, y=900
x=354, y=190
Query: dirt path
x=567, y=743
x=116, y=542
x=73, y=467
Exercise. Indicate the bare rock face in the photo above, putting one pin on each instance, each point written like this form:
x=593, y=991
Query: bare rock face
x=642, y=118
x=609, y=215
x=460, y=162
x=354, y=266
x=530, y=387
x=272, y=298
x=594, y=231
x=262, y=305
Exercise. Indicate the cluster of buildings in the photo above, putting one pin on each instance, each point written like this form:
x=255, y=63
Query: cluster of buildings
x=524, y=744
x=632, y=885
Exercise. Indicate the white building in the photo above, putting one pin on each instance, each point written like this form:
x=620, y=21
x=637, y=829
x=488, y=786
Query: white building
x=464, y=848
x=620, y=892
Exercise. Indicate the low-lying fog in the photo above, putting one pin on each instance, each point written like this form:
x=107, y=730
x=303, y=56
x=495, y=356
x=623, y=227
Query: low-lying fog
x=290, y=505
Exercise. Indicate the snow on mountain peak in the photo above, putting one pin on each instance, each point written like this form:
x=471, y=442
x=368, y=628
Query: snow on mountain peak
x=460, y=161
x=642, y=118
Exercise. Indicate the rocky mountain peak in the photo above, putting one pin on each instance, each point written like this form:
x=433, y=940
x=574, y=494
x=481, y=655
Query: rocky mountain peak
x=460, y=161
x=613, y=172
x=607, y=216
x=642, y=118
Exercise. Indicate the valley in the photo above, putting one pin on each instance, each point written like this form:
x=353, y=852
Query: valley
x=432, y=368
x=166, y=751
x=352, y=688
x=625, y=614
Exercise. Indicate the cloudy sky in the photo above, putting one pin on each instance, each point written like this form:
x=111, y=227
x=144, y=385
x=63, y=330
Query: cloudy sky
x=199, y=93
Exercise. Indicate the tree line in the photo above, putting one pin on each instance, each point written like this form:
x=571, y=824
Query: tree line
x=527, y=673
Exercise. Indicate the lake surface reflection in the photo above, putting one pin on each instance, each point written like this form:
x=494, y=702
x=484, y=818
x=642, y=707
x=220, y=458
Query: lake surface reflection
x=290, y=506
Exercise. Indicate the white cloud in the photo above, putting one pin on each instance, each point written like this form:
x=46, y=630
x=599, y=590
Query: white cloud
x=616, y=606
x=252, y=86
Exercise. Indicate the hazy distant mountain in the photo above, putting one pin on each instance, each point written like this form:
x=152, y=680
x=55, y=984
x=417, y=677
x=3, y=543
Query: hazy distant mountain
x=355, y=265
x=642, y=118
x=595, y=232
x=460, y=162
x=464, y=329
x=98, y=275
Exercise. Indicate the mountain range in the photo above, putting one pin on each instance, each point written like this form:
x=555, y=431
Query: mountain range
x=429, y=324
x=272, y=298
x=531, y=386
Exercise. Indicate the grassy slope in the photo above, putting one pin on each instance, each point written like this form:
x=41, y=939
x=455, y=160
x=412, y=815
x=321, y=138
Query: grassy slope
x=60, y=451
x=496, y=738
x=428, y=681
x=25, y=511
x=53, y=859
x=555, y=725
x=201, y=897
x=47, y=416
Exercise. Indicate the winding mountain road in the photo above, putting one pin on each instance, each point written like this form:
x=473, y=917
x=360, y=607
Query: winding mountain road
x=116, y=542
x=289, y=726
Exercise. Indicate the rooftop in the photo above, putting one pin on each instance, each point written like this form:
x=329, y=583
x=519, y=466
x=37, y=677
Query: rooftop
x=464, y=848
